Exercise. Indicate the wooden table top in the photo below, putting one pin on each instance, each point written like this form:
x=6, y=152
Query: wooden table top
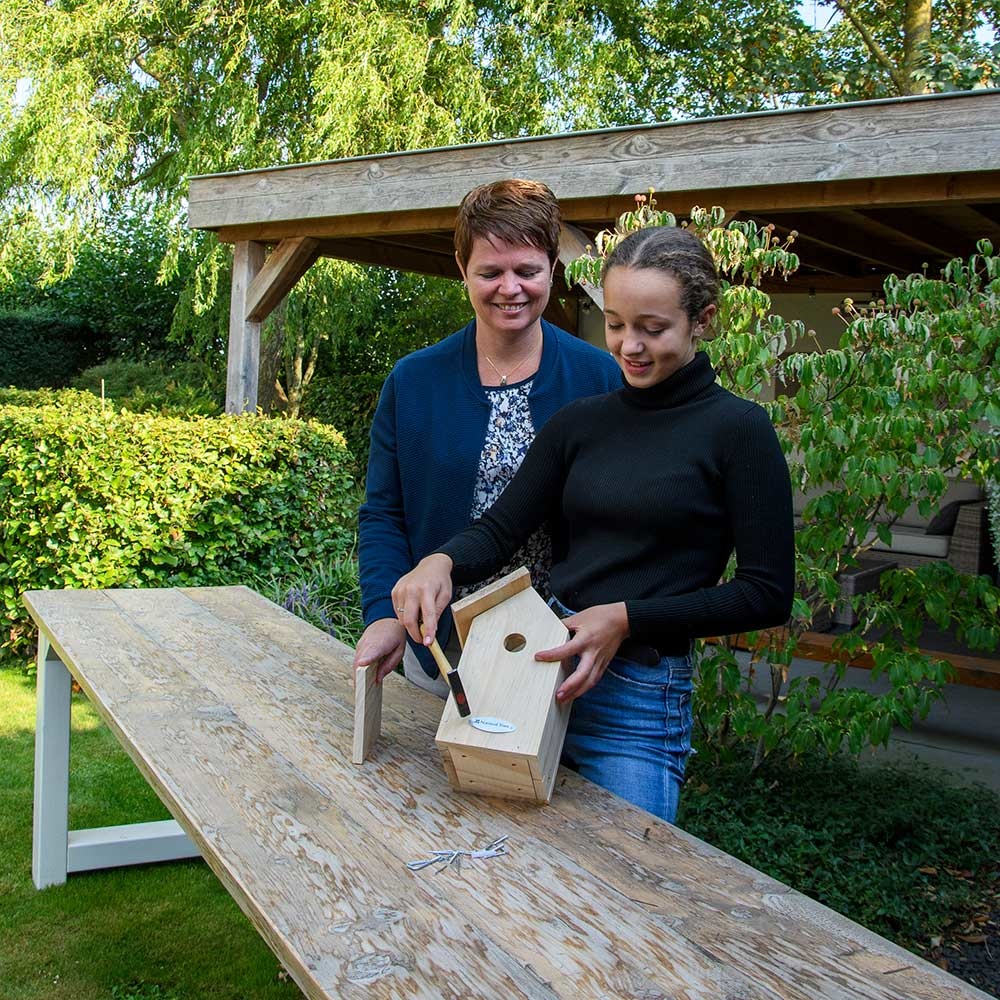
x=241, y=717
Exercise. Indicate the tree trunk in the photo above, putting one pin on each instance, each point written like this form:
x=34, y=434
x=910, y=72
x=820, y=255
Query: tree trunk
x=272, y=352
x=916, y=43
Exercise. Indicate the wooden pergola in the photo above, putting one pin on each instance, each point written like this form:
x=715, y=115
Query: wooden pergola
x=872, y=189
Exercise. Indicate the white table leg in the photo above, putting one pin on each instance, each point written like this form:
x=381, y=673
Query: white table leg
x=51, y=817
x=55, y=849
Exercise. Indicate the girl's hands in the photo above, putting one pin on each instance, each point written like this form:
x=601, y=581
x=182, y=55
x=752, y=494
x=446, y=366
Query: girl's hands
x=421, y=596
x=595, y=635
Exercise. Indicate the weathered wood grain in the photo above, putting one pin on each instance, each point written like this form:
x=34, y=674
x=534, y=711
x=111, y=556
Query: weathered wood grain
x=289, y=260
x=946, y=134
x=367, y=711
x=241, y=717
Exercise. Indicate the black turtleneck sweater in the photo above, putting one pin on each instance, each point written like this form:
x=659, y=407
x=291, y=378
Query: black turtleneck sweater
x=649, y=492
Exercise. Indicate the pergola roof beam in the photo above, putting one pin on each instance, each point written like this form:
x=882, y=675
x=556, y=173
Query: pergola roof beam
x=808, y=145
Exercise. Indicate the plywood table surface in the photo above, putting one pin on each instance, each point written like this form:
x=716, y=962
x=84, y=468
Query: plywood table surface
x=241, y=717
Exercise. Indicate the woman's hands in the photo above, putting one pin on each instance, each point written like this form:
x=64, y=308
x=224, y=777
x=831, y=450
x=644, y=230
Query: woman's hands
x=384, y=640
x=595, y=635
x=421, y=596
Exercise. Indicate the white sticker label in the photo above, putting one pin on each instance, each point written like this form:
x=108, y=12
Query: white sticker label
x=490, y=725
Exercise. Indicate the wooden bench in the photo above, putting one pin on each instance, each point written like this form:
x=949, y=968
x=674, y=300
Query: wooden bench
x=240, y=717
x=970, y=670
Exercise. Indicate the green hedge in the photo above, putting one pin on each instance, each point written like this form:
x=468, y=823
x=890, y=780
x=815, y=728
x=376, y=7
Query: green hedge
x=347, y=402
x=39, y=349
x=69, y=399
x=97, y=498
x=183, y=388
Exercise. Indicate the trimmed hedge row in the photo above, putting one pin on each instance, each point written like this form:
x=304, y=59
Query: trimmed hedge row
x=95, y=498
x=37, y=348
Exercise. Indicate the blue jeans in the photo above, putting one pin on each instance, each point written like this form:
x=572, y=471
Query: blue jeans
x=631, y=732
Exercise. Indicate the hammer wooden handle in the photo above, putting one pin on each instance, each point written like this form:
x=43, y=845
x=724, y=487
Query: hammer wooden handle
x=450, y=675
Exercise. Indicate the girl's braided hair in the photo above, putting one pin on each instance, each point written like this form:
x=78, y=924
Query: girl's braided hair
x=674, y=251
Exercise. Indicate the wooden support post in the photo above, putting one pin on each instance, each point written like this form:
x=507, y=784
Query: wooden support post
x=572, y=244
x=51, y=813
x=244, y=334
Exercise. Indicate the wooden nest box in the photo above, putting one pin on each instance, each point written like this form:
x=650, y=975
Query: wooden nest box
x=510, y=745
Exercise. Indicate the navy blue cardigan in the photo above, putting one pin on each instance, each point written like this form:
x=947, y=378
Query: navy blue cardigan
x=426, y=440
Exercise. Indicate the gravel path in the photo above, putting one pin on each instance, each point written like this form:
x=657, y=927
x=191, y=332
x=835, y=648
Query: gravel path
x=977, y=959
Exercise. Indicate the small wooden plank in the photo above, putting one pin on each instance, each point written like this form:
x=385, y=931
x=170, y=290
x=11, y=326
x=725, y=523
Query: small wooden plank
x=487, y=597
x=289, y=260
x=367, y=711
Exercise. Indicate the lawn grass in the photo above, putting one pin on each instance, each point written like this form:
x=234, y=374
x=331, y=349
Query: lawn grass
x=159, y=932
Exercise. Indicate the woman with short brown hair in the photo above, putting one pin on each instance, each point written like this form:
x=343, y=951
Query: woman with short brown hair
x=455, y=419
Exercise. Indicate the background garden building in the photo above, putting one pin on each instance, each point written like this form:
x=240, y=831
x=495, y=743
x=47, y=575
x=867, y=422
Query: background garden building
x=872, y=189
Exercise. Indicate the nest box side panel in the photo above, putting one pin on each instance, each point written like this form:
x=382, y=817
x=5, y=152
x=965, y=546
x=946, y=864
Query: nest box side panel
x=484, y=773
x=545, y=766
x=502, y=678
x=449, y=767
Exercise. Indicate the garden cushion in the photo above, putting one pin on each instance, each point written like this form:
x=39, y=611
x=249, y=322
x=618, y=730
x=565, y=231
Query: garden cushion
x=943, y=522
x=912, y=541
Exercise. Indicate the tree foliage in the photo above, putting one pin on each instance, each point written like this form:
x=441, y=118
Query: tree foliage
x=107, y=277
x=874, y=48
x=374, y=318
x=99, y=98
x=105, y=105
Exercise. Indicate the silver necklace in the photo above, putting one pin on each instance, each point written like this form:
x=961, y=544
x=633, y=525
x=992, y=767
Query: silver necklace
x=504, y=377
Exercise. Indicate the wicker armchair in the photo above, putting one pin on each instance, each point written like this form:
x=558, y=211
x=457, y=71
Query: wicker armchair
x=969, y=549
